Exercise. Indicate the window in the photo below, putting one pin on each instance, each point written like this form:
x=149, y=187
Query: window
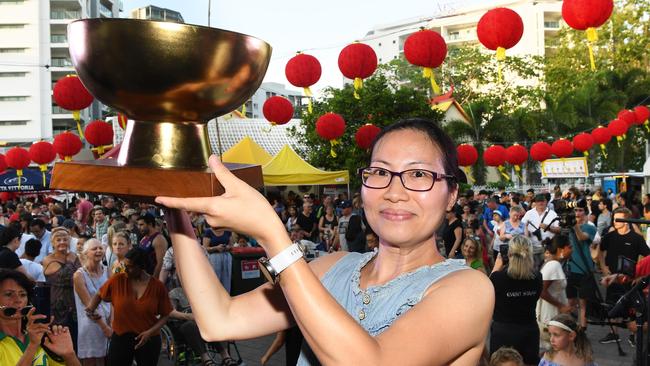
x=13, y=99
x=13, y=123
x=552, y=25
x=61, y=62
x=11, y=26
x=12, y=50
x=58, y=38
x=12, y=74
x=11, y=2
x=454, y=35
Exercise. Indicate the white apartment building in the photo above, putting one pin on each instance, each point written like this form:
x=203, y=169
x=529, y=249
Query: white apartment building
x=541, y=18
x=33, y=56
x=266, y=90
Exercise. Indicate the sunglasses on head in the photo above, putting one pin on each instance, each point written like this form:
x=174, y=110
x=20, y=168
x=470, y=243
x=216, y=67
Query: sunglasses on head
x=9, y=311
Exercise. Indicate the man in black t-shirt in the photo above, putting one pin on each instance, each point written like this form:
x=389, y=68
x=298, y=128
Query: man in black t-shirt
x=305, y=220
x=9, y=242
x=622, y=241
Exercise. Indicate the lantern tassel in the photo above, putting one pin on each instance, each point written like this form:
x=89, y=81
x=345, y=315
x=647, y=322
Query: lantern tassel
x=586, y=154
x=592, y=37
x=76, y=115
x=268, y=129
x=332, y=144
x=468, y=174
x=427, y=72
x=358, y=84
x=647, y=125
x=503, y=173
x=308, y=94
x=43, y=168
x=243, y=110
x=501, y=56
x=603, y=149
x=518, y=171
x=19, y=173
x=67, y=158
x=618, y=140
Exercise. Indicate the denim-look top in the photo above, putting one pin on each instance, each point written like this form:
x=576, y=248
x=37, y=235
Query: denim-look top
x=376, y=308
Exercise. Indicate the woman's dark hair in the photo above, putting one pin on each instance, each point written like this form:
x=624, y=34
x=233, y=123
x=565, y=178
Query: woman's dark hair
x=8, y=235
x=436, y=135
x=608, y=203
x=137, y=257
x=558, y=242
x=20, y=278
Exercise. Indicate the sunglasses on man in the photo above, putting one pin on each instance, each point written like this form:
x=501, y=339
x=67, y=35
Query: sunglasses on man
x=9, y=311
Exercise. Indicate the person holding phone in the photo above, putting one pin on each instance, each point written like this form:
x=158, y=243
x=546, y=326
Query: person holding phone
x=21, y=334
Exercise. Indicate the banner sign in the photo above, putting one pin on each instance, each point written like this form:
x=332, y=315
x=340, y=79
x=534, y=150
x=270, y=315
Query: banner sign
x=31, y=180
x=565, y=168
x=250, y=269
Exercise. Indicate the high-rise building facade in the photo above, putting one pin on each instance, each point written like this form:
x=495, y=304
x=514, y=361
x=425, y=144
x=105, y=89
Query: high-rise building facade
x=155, y=13
x=33, y=56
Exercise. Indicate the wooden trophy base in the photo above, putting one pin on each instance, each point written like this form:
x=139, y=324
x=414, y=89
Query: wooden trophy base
x=106, y=176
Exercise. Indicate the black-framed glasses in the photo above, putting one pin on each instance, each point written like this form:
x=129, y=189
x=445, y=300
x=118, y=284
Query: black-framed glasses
x=419, y=180
x=9, y=311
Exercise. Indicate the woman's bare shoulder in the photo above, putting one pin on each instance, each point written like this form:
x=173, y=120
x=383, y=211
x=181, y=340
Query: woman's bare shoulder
x=323, y=264
x=464, y=283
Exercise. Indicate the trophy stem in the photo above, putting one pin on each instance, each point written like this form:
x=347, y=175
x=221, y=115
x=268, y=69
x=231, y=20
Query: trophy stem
x=165, y=145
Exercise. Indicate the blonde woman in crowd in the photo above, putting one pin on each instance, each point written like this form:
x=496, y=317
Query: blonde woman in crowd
x=473, y=255
x=120, y=245
x=93, y=334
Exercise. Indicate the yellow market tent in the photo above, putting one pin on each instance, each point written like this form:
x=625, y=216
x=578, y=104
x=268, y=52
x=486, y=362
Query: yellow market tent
x=247, y=151
x=287, y=168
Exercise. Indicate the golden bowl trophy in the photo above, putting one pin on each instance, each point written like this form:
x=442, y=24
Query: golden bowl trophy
x=170, y=79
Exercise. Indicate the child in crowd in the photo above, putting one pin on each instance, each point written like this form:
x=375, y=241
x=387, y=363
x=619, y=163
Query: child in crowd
x=506, y=356
x=569, y=344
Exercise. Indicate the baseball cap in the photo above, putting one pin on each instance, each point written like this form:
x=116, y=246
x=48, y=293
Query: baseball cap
x=68, y=223
x=346, y=203
x=540, y=197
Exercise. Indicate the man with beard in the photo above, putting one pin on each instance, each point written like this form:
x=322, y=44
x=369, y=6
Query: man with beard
x=153, y=243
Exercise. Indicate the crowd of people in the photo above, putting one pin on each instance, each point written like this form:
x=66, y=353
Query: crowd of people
x=111, y=270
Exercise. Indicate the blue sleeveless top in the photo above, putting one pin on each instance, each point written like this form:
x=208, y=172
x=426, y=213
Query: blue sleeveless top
x=376, y=308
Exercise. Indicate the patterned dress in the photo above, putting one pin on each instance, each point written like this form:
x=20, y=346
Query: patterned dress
x=62, y=305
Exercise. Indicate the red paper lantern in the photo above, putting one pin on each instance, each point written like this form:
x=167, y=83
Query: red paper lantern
x=42, y=153
x=500, y=29
x=517, y=155
x=540, y=151
x=427, y=49
x=6, y=196
x=495, y=156
x=277, y=110
x=601, y=136
x=628, y=116
x=562, y=148
x=357, y=61
x=330, y=126
x=583, y=142
x=3, y=163
x=642, y=113
x=303, y=71
x=67, y=144
x=467, y=155
x=69, y=93
x=122, y=120
x=366, y=135
x=587, y=15
x=618, y=128
x=100, y=135
x=18, y=158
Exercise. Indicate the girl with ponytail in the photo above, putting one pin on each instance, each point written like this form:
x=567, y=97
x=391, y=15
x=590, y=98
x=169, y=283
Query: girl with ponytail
x=569, y=344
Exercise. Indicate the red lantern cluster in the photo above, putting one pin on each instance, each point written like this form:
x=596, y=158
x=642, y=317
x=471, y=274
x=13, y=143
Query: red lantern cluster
x=467, y=155
x=357, y=61
x=67, y=145
x=427, y=49
x=18, y=158
x=500, y=29
x=277, y=110
x=495, y=156
x=330, y=126
x=618, y=128
x=366, y=135
x=303, y=71
x=627, y=116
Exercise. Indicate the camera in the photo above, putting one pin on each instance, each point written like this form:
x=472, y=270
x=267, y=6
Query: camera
x=565, y=212
x=503, y=250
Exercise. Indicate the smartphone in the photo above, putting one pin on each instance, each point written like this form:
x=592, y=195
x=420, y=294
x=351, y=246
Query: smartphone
x=503, y=250
x=42, y=301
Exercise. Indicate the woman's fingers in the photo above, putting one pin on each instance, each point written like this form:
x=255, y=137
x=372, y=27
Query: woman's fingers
x=223, y=174
x=198, y=204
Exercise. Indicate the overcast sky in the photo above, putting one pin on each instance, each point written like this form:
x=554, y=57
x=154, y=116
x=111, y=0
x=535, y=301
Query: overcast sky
x=322, y=27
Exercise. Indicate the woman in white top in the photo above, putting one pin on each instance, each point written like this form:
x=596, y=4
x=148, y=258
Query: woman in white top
x=553, y=299
x=497, y=219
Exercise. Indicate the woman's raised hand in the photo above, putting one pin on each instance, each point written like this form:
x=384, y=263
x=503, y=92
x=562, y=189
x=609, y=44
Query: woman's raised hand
x=240, y=208
x=36, y=331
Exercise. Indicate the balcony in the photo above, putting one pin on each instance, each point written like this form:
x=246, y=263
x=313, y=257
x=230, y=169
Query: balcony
x=58, y=110
x=62, y=14
x=552, y=25
x=58, y=38
x=61, y=62
x=104, y=11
